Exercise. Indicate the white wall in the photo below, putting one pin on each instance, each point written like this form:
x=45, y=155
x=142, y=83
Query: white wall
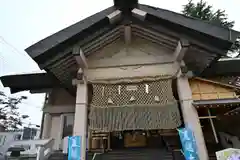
x=55, y=129
x=140, y=58
x=60, y=102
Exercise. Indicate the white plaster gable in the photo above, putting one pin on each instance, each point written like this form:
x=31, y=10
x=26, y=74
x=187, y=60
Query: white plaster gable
x=139, y=52
x=139, y=58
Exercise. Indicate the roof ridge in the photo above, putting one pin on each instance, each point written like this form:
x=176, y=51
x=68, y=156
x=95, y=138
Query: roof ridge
x=194, y=18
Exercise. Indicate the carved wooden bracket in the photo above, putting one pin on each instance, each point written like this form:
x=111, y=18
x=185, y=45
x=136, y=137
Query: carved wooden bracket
x=80, y=57
x=181, y=49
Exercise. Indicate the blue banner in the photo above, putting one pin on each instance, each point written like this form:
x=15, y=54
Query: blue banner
x=74, y=148
x=188, y=144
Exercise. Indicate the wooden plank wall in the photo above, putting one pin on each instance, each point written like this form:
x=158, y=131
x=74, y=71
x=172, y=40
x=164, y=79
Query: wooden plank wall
x=202, y=90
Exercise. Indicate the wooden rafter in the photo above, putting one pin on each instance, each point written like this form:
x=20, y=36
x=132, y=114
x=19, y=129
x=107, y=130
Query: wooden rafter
x=114, y=16
x=140, y=14
x=215, y=82
x=80, y=57
x=180, y=50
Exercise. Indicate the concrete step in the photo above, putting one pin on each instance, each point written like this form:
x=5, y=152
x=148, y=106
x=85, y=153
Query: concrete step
x=61, y=156
x=136, y=154
x=130, y=154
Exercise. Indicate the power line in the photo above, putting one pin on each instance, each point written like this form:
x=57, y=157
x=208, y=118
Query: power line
x=12, y=47
x=2, y=65
x=31, y=105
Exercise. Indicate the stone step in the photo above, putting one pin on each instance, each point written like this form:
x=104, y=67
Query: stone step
x=130, y=154
x=62, y=156
x=212, y=157
x=136, y=154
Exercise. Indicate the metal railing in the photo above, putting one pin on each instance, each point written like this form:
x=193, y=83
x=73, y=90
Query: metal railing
x=95, y=155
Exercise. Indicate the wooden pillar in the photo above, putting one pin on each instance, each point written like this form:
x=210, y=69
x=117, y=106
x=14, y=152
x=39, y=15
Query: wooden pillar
x=80, y=120
x=190, y=115
x=46, y=126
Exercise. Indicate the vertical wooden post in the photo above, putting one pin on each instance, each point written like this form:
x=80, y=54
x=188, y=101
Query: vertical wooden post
x=213, y=127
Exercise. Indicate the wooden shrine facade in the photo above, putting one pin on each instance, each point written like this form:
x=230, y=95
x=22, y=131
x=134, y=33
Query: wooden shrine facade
x=127, y=68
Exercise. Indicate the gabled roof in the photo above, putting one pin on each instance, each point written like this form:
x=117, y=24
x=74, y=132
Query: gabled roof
x=191, y=23
x=219, y=36
x=55, y=53
x=71, y=33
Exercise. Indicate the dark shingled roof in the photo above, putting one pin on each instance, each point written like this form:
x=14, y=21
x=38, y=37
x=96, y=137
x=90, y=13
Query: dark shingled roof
x=192, y=23
x=33, y=81
x=67, y=33
x=224, y=67
x=49, y=48
x=223, y=37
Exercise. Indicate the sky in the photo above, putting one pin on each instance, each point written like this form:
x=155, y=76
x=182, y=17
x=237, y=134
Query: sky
x=25, y=22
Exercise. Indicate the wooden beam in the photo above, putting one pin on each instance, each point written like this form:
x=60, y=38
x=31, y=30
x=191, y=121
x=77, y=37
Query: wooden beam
x=127, y=34
x=83, y=58
x=45, y=90
x=213, y=127
x=215, y=82
x=207, y=117
x=114, y=16
x=80, y=57
x=180, y=50
x=139, y=14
